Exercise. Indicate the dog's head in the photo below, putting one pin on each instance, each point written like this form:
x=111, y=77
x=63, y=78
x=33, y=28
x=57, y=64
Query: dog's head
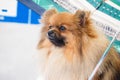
x=63, y=28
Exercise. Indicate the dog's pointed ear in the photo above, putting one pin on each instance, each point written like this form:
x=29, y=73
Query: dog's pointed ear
x=47, y=14
x=82, y=17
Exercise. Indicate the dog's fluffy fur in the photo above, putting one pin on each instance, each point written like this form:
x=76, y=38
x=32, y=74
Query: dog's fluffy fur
x=74, y=47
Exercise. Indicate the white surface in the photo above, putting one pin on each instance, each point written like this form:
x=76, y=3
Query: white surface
x=10, y=6
x=17, y=51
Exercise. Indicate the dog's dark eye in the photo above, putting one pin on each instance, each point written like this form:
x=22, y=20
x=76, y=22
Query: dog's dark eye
x=50, y=27
x=62, y=28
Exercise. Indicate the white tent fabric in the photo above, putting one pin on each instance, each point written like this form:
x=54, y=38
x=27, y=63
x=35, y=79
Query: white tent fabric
x=18, y=51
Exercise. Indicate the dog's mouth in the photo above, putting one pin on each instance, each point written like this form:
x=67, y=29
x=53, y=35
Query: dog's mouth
x=57, y=41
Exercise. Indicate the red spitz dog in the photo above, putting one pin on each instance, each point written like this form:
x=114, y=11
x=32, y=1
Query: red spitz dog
x=72, y=47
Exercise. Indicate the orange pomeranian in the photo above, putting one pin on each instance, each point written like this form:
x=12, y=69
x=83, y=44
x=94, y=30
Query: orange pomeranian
x=72, y=47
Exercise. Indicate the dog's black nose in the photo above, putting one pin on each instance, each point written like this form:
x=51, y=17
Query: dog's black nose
x=51, y=33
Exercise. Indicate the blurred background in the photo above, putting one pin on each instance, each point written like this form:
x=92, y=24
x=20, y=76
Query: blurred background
x=19, y=35
x=20, y=31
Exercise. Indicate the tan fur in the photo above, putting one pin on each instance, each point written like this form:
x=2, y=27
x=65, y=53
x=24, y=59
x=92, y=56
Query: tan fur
x=84, y=47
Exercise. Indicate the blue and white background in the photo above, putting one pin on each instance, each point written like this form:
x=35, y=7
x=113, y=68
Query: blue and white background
x=19, y=35
x=14, y=11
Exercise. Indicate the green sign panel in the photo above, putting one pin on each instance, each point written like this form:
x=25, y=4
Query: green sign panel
x=117, y=2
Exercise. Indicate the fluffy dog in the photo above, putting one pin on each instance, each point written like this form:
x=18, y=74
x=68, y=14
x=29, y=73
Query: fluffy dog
x=72, y=47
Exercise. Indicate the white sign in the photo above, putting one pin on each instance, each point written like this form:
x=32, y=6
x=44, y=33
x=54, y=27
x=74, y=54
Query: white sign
x=8, y=8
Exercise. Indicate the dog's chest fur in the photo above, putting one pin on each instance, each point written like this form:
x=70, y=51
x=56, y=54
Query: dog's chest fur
x=58, y=67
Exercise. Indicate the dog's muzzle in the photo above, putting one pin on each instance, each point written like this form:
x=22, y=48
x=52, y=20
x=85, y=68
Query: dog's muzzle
x=51, y=34
x=55, y=38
